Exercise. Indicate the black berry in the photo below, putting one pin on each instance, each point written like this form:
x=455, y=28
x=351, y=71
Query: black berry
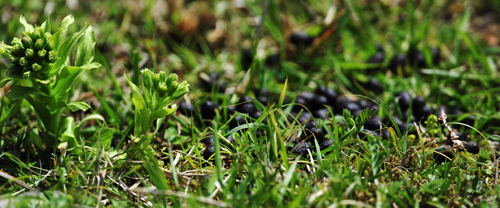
x=404, y=100
x=207, y=109
x=301, y=38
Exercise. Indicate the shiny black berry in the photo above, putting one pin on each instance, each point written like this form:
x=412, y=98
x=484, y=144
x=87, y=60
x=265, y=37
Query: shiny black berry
x=329, y=93
x=300, y=103
x=443, y=154
x=375, y=86
x=472, y=147
x=373, y=123
x=404, y=100
x=397, y=61
x=322, y=113
x=209, y=151
x=436, y=55
x=418, y=102
x=246, y=58
x=247, y=108
x=325, y=144
x=417, y=59
x=319, y=101
x=207, y=109
x=317, y=132
x=421, y=114
x=308, y=96
x=301, y=149
x=185, y=108
x=209, y=141
x=301, y=38
x=236, y=121
x=273, y=60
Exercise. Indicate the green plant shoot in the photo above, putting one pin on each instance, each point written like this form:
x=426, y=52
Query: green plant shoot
x=160, y=91
x=43, y=75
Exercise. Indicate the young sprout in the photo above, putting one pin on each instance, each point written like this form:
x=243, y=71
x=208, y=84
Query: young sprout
x=160, y=91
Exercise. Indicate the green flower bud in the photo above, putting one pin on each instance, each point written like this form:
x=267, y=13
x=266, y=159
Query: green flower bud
x=51, y=57
x=14, y=59
x=48, y=36
x=37, y=33
x=17, y=41
x=163, y=76
x=27, y=42
x=162, y=90
x=26, y=33
x=172, y=88
x=17, y=50
x=26, y=74
x=49, y=45
x=147, y=79
x=36, y=67
x=39, y=44
x=42, y=53
x=30, y=53
x=171, y=78
x=23, y=61
x=155, y=81
x=182, y=89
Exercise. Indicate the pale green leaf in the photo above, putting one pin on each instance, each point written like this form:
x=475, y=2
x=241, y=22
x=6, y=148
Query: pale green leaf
x=67, y=129
x=86, y=48
x=93, y=65
x=22, y=92
x=41, y=111
x=3, y=82
x=64, y=50
x=3, y=49
x=65, y=81
x=163, y=112
x=91, y=117
x=68, y=20
x=74, y=106
x=141, y=118
x=27, y=27
x=46, y=26
x=68, y=135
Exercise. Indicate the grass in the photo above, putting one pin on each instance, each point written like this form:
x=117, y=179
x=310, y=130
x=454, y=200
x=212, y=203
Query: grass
x=186, y=38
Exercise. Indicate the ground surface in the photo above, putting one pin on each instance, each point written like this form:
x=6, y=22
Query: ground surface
x=301, y=52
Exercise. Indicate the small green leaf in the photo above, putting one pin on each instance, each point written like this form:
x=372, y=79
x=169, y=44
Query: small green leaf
x=28, y=27
x=136, y=95
x=68, y=20
x=141, y=110
x=64, y=50
x=91, y=117
x=163, y=112
x=65, y=81
x=3, y=49
x=3, y=82
x=58, y=37
x=93, y=65
x=67, y=129
x=22, y=92
x=41, y=111
x=85, y=52
x=68, y=135
x=74, y=106
x=46, y=26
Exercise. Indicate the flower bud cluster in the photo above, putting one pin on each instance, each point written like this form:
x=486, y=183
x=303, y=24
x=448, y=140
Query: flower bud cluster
x=164, y=86
x=31, y=54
